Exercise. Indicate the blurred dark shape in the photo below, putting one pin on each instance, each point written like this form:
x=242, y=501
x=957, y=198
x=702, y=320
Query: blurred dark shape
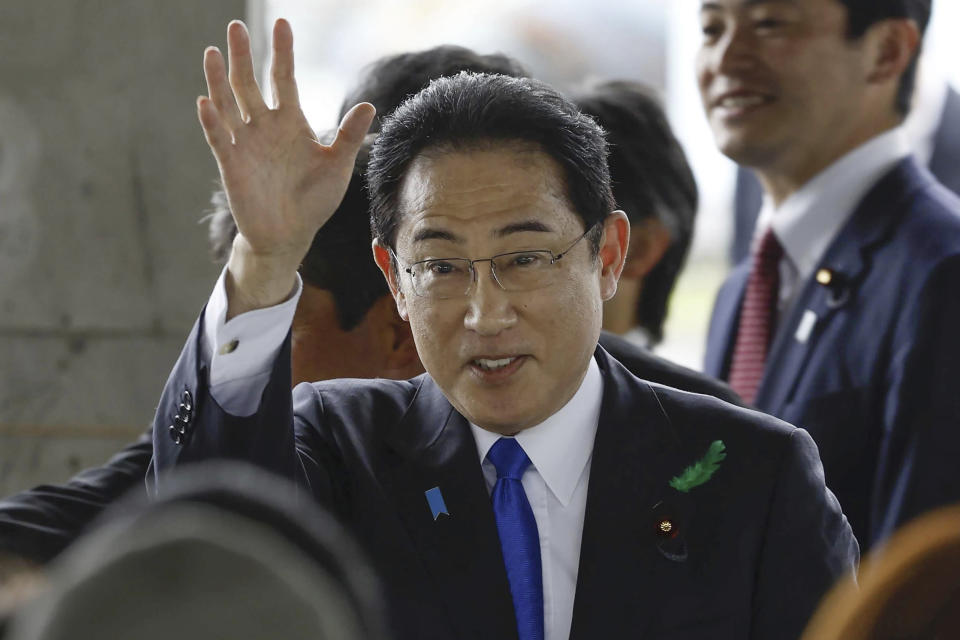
x=655, y=187
x=226, y=551
x=387, y=82
x=909, y=588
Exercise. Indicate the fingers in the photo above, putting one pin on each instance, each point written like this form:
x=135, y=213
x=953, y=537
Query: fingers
x=215, y=130
x=353, y=128
x=215, y=71
x=281, y=70
x=242, y=78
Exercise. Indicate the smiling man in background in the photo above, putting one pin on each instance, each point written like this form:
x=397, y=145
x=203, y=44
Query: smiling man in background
x=845, y=319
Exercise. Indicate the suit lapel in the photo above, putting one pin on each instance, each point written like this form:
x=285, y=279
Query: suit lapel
x=460, y=551
x=723, y=322
x=849, y=260
x=622, y=561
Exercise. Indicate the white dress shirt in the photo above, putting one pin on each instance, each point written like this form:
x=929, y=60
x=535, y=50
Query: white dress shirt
x=560, y=449
x=241, y=354
x=810, y=218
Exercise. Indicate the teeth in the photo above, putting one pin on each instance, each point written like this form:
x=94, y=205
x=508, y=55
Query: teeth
x=490, y=365
x=739, y=102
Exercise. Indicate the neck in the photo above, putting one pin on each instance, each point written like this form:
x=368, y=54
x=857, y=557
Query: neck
x=620, y=311
x=780, y=181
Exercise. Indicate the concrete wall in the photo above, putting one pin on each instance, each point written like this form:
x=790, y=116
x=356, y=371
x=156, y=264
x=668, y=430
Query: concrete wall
x=104, y=175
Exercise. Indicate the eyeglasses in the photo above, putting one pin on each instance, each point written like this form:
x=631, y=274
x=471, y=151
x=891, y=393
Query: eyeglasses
x=442, y=278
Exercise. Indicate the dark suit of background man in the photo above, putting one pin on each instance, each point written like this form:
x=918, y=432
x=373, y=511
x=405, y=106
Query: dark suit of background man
x=495, y=230
x=345, y=325
x=845, y=319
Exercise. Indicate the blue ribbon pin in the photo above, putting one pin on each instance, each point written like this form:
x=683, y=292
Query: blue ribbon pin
x=435, y=500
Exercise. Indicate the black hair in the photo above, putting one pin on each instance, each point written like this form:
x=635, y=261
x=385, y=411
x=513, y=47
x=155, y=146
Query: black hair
x=471, y=110
x=650, y=179
x=387, y=82
x=339, y=259
x=862, y=14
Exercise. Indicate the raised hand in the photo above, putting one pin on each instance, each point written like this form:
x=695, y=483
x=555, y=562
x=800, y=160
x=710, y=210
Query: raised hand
x=282, y=184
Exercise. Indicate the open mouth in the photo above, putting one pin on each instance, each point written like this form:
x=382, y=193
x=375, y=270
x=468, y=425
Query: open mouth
x=739, y=104
x=496, y=368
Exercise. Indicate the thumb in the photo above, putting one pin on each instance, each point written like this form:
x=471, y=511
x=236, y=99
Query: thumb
x=354, y=126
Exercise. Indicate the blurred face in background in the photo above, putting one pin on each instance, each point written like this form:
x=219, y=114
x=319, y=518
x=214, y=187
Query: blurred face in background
x=782, y=85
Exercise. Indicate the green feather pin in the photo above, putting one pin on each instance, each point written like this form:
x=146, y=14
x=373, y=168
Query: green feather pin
x=700, y=471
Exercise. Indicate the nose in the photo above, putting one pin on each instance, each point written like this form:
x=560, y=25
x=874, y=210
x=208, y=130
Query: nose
x=490, y=309
x=732, y=51
x=736, y=50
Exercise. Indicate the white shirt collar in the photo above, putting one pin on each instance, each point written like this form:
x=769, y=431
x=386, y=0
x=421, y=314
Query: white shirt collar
x=809, y=219
x=560, y=446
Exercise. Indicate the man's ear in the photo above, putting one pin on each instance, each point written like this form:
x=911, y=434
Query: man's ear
x=613, y=251
x=891, y=45
x=649, y=240
x=384, y=260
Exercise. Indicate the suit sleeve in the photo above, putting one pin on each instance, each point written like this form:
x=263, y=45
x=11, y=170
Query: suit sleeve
x=808, y=545
x=40, y=523
x=190, y=425
x=917, y=465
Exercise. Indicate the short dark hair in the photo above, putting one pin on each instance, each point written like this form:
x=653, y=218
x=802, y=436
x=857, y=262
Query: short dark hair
x=387, y=82
x=862, y=14
x=650, y=178
x=339, y=259
x=471, y=110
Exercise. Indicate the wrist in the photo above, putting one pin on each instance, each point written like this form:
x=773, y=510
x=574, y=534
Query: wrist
x=257, y=281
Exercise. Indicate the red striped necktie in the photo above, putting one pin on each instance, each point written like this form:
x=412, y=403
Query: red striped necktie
x=757, y=319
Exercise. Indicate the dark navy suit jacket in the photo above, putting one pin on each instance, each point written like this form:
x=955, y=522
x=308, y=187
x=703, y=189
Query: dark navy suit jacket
x=875, y=382
x=754, y=550
x=39, y=523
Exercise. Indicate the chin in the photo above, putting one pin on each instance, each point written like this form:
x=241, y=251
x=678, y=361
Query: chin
x=743, y=151
x=505, y=420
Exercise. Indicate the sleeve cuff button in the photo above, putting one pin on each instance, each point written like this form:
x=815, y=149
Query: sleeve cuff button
x=228, y=347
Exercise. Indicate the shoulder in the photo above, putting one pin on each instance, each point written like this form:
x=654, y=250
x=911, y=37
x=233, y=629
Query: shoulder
x=355, y=401
x=648, y=366
x=930, y=224
x=697, y=416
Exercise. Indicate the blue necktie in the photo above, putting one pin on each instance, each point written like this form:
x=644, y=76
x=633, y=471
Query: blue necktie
x=519, y=539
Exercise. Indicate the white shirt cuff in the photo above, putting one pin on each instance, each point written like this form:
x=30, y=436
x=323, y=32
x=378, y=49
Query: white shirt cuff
x=241, y=352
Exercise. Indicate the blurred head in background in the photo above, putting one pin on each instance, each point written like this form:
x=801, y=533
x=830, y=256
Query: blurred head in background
x=653, y=184
x=225, y=551
x=387, y=82
x=790, y=87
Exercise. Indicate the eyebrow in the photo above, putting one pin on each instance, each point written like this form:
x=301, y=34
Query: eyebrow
x=436, y=234
x=519, y=227
x=516, y=227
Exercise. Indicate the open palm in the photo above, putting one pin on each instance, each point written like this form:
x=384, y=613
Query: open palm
x=282, y=184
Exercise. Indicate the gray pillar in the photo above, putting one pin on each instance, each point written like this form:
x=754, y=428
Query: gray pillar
x=104, y=175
